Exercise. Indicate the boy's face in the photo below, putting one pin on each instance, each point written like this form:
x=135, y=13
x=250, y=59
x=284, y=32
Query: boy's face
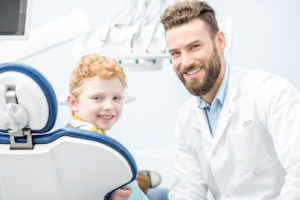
x=100, y=102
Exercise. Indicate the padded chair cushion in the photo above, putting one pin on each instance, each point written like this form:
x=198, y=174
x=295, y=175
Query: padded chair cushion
x=42, y=83
x=75, y=157
x=76, y=133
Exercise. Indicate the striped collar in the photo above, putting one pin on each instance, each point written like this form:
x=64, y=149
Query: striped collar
x=77, y=122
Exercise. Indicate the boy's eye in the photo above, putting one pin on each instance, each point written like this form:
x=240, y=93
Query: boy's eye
x=97, y=98
x=117, y=98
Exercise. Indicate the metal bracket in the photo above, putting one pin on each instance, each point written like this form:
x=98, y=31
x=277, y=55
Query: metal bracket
x=10, y=95
x=25, y=133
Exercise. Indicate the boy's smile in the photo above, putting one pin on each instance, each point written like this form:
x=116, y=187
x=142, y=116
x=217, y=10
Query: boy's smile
x=100, y=102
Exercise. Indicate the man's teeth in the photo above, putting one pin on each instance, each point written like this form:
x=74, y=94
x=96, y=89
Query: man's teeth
x=194, y=72
x=106, y=116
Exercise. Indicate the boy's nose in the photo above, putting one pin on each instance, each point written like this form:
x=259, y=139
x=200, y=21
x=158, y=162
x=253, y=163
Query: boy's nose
x=107, y=104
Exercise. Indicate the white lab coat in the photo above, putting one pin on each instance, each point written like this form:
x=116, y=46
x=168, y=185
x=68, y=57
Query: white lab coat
x=255, y=154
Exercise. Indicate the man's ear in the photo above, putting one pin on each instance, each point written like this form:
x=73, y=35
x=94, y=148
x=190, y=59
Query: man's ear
x=72, y=103
x=220, y=41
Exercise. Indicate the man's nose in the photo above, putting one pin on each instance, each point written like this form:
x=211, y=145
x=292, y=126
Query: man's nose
x=186, y=60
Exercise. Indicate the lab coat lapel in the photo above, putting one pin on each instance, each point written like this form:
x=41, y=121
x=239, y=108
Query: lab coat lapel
x=228, y=108
x=203, y=128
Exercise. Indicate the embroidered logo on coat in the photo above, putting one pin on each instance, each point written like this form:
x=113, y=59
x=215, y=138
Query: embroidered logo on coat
x=247, y=124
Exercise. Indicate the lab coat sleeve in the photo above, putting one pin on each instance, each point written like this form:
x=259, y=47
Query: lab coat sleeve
x=189, y=182
x=280, y=103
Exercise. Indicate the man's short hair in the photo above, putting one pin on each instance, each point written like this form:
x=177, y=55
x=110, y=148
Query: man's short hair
x=95, y=65
x=182, y=12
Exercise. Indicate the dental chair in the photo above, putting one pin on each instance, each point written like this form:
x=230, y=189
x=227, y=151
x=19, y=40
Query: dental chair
x=65, y=164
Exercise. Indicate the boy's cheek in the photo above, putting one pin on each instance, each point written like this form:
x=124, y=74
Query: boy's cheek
x=120, y=110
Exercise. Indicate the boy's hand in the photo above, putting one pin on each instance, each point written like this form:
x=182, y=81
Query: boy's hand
x=121, y=194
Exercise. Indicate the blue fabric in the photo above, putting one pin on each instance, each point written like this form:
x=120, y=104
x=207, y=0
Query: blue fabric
x=44, y=85
x=213, y=111
x=137, y=193
x=158, y=193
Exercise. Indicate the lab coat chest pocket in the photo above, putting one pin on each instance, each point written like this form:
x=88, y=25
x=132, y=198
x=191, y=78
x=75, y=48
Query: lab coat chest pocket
x=249, y=148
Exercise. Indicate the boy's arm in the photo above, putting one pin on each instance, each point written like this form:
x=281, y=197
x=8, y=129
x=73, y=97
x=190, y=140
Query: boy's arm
x=121, y=194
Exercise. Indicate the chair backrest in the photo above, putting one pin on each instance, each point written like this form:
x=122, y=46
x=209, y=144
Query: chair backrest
x=67, y=164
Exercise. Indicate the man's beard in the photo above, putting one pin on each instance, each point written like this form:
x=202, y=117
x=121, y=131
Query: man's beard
x=212, y=71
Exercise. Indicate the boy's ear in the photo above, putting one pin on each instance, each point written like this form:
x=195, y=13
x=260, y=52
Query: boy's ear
x=72, y=103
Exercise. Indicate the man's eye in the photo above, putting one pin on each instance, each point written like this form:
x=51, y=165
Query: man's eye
x=175, y=53
x=195, y=46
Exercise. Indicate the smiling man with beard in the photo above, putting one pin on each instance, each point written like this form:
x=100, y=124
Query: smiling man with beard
x=238, y=136
x=198, y=87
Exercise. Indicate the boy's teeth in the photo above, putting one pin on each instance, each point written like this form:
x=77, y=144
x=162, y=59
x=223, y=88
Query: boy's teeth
x=194, y=72
x=105, y=116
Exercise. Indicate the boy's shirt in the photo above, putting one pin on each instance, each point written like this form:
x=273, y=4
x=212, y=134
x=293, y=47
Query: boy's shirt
x=77, y=122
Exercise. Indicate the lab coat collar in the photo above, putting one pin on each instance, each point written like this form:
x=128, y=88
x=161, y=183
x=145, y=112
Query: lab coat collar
x=227, y=110
x=201, y=123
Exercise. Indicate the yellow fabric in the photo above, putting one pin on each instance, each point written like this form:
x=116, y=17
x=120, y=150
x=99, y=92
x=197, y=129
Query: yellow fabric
x=94, y=128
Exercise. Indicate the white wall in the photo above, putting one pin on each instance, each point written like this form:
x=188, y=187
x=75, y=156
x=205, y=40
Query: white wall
x=265, y=35
x=147, y=122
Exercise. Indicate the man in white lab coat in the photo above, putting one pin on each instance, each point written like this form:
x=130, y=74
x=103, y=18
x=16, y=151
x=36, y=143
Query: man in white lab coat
x=239, y=136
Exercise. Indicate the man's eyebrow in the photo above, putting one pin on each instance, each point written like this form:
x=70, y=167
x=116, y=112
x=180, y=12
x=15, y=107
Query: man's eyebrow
x=192, y=42
x=188, y=44
x=171, y=50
